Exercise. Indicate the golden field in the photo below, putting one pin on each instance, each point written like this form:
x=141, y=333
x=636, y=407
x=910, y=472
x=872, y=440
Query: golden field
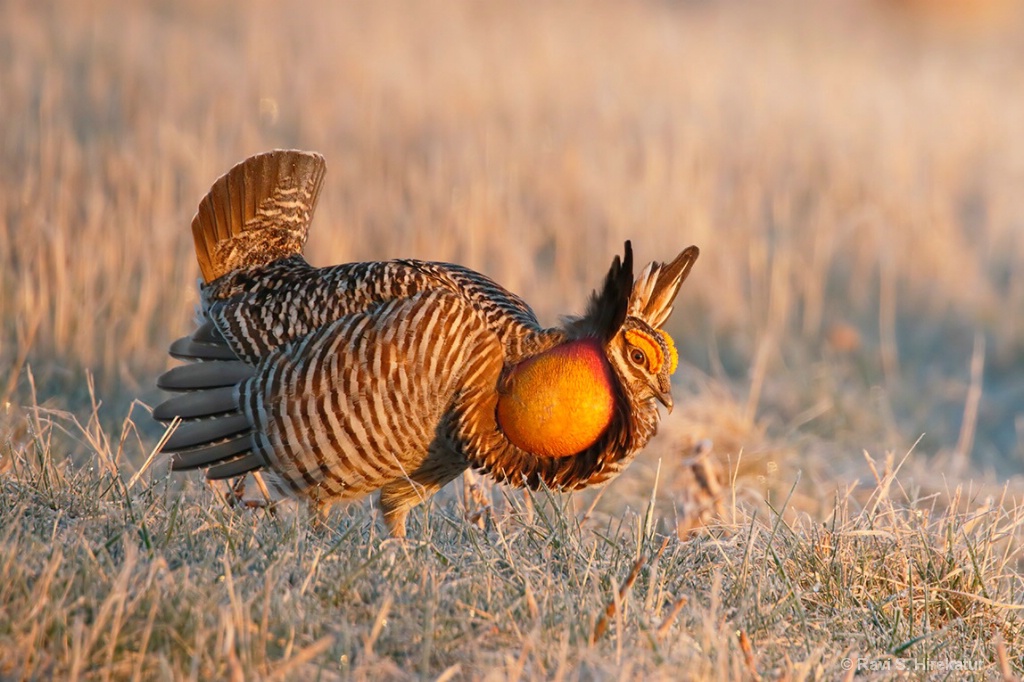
x=839, y=483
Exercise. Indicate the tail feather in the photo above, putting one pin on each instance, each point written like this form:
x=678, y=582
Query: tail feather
x=187, y=348
x=235, y=467
x=211, y=453
x=196, y=404
x=258, y=212
x=193, y=433
x=207, y=332
x=202, y=375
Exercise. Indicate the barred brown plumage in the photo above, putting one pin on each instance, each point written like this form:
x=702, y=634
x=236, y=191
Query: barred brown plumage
x=397, y=376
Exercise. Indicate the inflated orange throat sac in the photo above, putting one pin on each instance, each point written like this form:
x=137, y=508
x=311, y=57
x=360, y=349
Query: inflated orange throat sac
x=560, y=402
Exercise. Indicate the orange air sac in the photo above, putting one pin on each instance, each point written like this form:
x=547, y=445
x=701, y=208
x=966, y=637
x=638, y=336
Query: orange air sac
x=558, y=403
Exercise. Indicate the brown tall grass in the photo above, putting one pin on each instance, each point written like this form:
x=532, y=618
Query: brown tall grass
x=854, y=185
x=833, y=177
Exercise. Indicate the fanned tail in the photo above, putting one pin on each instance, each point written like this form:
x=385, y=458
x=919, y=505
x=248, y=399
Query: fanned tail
x=258, y=212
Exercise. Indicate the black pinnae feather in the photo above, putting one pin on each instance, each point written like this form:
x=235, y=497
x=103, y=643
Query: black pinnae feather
x=607, y=309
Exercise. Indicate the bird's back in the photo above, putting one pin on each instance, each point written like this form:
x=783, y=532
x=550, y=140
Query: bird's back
x=262, y=308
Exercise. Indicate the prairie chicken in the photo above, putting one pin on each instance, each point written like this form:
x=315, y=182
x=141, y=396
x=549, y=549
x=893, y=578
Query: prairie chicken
x=396, y=376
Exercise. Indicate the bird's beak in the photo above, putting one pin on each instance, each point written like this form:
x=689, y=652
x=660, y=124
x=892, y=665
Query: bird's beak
x=663, y=392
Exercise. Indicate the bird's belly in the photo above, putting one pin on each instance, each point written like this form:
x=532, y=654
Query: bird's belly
x=339, y=445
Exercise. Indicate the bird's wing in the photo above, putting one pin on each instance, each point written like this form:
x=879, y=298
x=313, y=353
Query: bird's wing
x=260, y=309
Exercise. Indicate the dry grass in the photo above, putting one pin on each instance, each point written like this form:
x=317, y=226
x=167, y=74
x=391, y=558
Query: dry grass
x=852, y=180
x=152, y=579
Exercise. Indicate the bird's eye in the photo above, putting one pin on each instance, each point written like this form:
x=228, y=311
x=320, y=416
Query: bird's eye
x=637, y=356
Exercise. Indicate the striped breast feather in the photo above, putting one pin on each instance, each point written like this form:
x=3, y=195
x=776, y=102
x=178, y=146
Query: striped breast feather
x=357, y=403
x=261, y=309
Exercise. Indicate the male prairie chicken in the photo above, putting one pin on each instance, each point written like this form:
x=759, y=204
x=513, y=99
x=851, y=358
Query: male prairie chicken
x=398, y=375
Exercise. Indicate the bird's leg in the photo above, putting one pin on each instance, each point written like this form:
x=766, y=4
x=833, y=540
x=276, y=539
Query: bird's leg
x=474, y=492
x=398, y=497
x=396, y=501
x=395, y=513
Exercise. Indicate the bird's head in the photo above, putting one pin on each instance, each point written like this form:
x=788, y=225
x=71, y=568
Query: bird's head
x=561, y=401
x=644, y=358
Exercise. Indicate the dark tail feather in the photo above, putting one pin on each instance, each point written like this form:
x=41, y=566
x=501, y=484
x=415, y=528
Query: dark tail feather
x=196, y=432
x=203, y=375
x=187, y=348
x=208, y=333
x=211, y=453
x=205, y=343
x=196, y=404
x=235, y=467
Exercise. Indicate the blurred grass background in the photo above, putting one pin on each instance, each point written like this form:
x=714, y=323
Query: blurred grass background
x=852, y=172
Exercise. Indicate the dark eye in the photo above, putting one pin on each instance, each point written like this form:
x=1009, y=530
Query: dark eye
x=637, y=356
